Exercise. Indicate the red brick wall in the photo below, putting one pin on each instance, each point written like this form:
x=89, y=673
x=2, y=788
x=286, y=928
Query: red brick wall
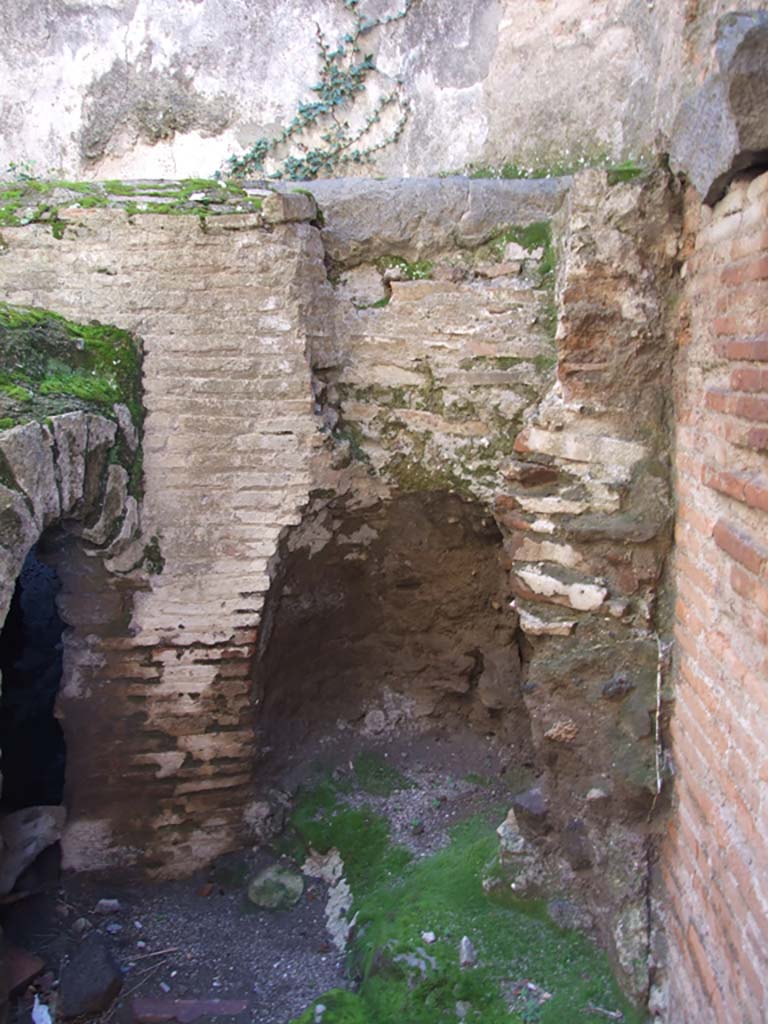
x=715, y=857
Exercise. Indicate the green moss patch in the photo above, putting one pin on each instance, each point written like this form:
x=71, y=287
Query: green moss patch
x=35, y=201
x=50, y=365
x=377, y=776
x=527, y=968
x=321, y=822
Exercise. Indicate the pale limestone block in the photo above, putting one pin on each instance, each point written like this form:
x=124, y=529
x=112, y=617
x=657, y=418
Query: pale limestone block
x=28, y=451
x=112, y=507
x=584, y=597
x=535, y=626
x=70, y=432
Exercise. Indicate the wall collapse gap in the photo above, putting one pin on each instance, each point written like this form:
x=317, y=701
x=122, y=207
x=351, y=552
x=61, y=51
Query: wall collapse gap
x=384, y=619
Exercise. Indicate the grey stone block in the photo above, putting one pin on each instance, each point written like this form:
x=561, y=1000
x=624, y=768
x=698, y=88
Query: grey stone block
x=722, y=128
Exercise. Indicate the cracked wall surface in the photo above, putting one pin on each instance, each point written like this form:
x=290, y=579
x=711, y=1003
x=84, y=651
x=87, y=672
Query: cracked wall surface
x=150, y=88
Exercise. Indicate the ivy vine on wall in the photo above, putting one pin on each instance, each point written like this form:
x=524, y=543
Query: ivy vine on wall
x=319, y=140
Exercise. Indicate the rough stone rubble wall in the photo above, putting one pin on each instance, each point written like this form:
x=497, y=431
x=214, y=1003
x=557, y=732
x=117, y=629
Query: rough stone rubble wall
x=138, y=88
x=228, y=437
x=452, y=383
x=586, y=514
x=715, y=857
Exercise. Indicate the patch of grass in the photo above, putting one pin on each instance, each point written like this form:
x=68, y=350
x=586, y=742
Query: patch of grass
x=514, y=941
x=6, y=422
x=321, y=821
x=14, y=389
x=627, y=170
x=80, y=385
x=377, y=777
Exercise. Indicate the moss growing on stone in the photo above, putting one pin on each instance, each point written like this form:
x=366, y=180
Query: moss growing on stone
x=34, y=201
x=412, y=472
x=396, y=898
x=562, y=167
x=50, y=365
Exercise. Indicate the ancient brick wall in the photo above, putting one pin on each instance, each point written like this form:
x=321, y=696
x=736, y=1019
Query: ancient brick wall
x=157, y=713
x=715, y=858
x=407, y=347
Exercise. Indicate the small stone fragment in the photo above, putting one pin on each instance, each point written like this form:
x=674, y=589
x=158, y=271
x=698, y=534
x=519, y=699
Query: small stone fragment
x=428, y=937
x=564, y=731
x=532, y=803
x=617, y=687
x=276, y=888
x=467, y=955
x=81, y=925
x=375, y=722
x=463, y=1009
x=90, y=981
x=596, y=794
x=107, y=907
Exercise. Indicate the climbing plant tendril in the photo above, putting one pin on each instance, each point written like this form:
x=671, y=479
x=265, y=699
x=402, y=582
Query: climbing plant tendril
x=344, y=73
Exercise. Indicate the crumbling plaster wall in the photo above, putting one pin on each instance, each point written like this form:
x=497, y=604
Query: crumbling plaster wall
x=150, y=88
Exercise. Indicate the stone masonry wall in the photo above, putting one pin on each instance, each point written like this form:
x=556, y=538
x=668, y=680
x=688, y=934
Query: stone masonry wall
x=407, y=346
x=586, y=514
x=715, y=857
x=443, y=372
x=232, y=310
x=228, y=435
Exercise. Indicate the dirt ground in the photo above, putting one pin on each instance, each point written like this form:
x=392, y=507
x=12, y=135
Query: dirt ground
x=200, y=937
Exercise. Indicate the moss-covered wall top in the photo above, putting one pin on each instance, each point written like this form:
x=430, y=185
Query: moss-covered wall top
x=50, y=366
x=28, y=200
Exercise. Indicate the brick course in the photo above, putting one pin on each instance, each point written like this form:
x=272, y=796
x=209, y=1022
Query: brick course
x=715, y=856
x=158, y=729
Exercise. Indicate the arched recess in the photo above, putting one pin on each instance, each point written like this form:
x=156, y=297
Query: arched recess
x=70, y=492
x=63, y=483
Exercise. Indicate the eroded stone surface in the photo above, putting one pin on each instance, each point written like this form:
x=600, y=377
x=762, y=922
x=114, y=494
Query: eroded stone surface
x=721, y=129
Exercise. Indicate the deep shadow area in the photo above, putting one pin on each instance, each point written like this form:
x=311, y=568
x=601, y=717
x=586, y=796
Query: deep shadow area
x=384, y=619
x=31, y=738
